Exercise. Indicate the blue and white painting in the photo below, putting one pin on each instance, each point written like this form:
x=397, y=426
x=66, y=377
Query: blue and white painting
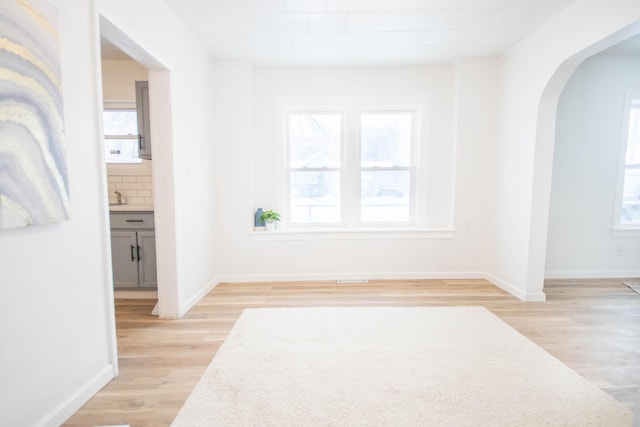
x=33, y=173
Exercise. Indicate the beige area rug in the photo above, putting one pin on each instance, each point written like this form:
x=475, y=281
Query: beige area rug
x=634, y=286
x=453, y=366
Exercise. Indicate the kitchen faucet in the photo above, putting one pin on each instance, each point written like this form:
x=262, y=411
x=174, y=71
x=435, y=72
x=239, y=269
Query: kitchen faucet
x=119, y=196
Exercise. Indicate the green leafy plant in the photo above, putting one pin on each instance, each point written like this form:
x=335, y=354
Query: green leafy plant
x=270, y=216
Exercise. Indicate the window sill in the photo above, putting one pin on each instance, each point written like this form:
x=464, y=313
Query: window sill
x=142, y=168
x=625, y=232
x=364, y=234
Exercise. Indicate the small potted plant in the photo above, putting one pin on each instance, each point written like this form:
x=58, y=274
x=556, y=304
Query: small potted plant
x=270, y=218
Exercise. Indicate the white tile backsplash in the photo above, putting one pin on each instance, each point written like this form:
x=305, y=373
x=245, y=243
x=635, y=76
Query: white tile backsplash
x=135, y=189
x=133, y=181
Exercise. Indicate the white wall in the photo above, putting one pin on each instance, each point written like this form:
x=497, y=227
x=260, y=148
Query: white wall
x=232, y=112
x=56, y=311
x=56, y=302
x=585, y=173
x=475, y=132
x=119, y=77
x=431, y=87
x=183, y=148
x=246, y=97
x=532, y=75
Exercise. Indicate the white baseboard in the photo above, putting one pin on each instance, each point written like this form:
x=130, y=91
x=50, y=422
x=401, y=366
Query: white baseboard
x=122, y=294
x=195, y=298
x=438, y=275
x=69, y=406
x=310, y=277
x=593, y=274
x=518, y=293
x=257, y=278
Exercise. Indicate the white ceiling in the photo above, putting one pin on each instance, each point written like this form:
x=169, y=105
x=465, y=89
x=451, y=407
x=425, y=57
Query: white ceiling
x=362, y=32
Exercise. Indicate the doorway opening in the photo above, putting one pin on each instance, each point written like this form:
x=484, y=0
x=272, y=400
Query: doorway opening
x=143, y=192
x=572, y=204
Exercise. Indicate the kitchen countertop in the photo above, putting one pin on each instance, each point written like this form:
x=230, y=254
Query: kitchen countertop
x=131, y=208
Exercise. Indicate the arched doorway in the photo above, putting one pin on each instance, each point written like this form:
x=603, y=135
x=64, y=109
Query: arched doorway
x=544, y=150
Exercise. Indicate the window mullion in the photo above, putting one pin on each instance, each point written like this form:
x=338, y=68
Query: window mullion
x=121, y=136
x=383, y=169
x=314, y=169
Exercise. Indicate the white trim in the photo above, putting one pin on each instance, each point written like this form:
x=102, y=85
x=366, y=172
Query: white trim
x=307, y=277
x=351, y=109
x=163, y=179
x=134, y=294
x=354, y=234
x=518, y=293
x=111, y=370
x=629, y=104
x=145, y=167
x=119, y=104
x=592, y=274
x=618, y=232
x=195, y=298
x=71, y=404
x=436, y=275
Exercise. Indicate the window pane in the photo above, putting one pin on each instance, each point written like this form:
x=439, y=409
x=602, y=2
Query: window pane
x=122, y=150
x=386, y=139
x=631, y=197
x=385, y=196
x=120, y=122
x=314, y=140
x=315, y=197
x=633, y=142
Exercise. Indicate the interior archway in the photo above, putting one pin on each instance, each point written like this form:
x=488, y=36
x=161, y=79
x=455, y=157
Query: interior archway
x=544, y=150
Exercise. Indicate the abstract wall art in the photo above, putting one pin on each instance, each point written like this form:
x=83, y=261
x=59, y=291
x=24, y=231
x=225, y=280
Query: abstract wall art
x=34, y=187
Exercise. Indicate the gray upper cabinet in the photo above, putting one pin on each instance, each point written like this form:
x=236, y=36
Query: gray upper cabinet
x=142, y=107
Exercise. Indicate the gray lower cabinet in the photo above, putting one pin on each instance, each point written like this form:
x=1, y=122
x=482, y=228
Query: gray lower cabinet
x=133, y=250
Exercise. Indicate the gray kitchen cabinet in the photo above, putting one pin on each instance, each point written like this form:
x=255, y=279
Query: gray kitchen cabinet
x=133, y=250
x=142, y=107
x=124, y=259
x=148, y=272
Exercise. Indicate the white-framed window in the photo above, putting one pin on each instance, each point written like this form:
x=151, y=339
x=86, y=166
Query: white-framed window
x=627, y=212
x=387, y=165
x=121, y=135
x=315, y=166
x=350, y=166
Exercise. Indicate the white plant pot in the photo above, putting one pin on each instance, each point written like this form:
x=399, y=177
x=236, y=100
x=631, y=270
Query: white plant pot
x=270, y=225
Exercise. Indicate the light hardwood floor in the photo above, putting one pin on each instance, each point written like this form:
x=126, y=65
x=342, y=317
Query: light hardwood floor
x=592, y=326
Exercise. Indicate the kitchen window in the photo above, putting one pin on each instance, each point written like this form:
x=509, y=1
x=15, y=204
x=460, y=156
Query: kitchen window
x=350, y=167
x=121, y=136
